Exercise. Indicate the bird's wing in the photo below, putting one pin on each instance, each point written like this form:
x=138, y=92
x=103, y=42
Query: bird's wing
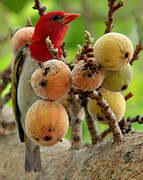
x=15, y=80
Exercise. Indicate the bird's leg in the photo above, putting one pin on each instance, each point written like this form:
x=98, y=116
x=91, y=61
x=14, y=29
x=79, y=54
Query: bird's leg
x=28, y=155
x=37, y=158
x=32, y=157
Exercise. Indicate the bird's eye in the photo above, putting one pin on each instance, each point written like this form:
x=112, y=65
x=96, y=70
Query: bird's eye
x=55, y=18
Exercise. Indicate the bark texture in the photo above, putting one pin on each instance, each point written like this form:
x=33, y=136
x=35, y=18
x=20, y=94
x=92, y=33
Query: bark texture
x=103, y=161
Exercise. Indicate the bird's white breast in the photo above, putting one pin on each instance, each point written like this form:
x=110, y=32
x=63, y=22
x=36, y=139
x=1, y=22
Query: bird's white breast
x=26, y=96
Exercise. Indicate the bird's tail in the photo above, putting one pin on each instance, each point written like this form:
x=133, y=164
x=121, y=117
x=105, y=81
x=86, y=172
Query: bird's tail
x=32, y=156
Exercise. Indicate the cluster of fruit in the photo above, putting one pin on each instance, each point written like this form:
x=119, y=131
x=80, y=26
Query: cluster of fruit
x=110, y=69
x=47, y=121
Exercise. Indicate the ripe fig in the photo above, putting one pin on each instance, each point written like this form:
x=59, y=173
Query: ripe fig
x=87, y=76
x=20, y=38
x=46, y=122
x=52, y=81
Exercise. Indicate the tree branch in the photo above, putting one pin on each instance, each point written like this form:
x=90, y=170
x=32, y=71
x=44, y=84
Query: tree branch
x=138, y=49
x=125, y=125
x=128, y=96
x=93, y=130
x=41, y=8
x=110, y=116
x=76, y=122
x=110, y=19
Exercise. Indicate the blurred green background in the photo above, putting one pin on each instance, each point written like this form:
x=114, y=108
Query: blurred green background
x=13, y=15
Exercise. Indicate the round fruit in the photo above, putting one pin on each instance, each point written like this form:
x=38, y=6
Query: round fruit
x=20, y=38
x=52, y=81
x=116, y=102
x=113, y=51
x=118, y=81
x=46, y=122
x=87, y=76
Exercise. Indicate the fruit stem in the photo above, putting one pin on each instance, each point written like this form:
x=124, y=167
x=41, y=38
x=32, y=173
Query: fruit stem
x=76, y=122
x=92, y=127
x=138, y=49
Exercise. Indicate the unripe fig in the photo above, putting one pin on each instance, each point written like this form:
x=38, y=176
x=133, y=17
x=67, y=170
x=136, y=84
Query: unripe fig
x=87, y=76
x=52, y=81
x=20, y=38
x=116, y=102
x=118, y=81
x=113, y=51
x=46, y=122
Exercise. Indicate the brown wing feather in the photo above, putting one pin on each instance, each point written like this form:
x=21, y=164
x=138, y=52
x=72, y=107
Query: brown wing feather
x=15, y=79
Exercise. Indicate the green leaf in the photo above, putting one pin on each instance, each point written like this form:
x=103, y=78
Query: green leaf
x=15, y=6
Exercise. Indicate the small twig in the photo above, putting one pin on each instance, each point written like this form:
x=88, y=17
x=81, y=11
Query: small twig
x=41, y=8
x=5, y=77
x=112, y=9
x=29, y=23
x=138, y=49
x=125, y=125
x=138, y=119
x=64, y=53
x=105, y=133
x=110, y=116
x=53, y=51
x=128, y=96
x=85, y=52
x=76, y=122
x=93, y=130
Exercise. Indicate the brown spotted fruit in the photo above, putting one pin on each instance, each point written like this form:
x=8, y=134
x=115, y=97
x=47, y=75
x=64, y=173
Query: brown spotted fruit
x=118, y=81
x=20, y=38
x=87, y=76
x=116, y=102
x=46, y=122
x=52, y=81
x=113, y=51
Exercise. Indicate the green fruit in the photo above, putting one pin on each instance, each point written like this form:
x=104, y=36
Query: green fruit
x=118, y=81
x=113, y=51
x=116, y=102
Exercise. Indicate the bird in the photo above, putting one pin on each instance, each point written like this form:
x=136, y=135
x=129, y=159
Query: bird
x=52, y=25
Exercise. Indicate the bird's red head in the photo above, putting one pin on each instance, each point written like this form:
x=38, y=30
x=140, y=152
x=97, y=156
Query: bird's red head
x=54, y=25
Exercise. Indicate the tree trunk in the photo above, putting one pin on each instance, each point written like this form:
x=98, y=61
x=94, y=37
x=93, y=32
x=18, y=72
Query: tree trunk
x=104, y=161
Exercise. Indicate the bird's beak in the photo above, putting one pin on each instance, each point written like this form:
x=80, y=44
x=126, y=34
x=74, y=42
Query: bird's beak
x=69, y=17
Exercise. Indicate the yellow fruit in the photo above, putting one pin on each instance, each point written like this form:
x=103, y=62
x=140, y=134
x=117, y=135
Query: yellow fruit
x=116, y=102
x=52, y=81
x=46, y=122
x=20, y=38
x=87, y=77
x=118, y=81
x=113, y=51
